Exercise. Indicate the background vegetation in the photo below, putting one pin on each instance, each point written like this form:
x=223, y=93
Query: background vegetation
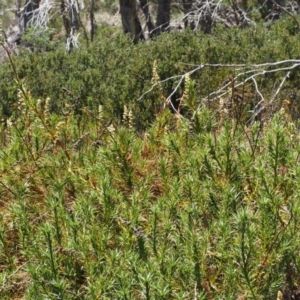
x=112, y=73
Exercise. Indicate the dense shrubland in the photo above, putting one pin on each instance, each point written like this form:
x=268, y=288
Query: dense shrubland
x=113, y=73
x=105, y=194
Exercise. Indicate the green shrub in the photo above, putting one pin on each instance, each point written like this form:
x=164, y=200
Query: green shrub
x=113, y=72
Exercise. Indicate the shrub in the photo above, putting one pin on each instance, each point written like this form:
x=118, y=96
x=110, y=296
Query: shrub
x=113, y=72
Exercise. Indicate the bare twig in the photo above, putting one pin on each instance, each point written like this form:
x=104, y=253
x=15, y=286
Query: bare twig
x=252, y=72
x=273, y=98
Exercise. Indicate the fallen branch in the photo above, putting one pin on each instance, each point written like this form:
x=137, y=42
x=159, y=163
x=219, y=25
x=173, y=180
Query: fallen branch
x=249, y=73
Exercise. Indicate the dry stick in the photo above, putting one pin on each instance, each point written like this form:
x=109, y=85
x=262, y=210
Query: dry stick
x=181, y=78
x=259, y=93
x=200, y=12
x=221, y=90
x=245, y=65
x=173, y=77
x=213, y=9
x=256, y=69
x=8, y=188
x=41, y=16
x=168, y=101
x=242, y=66
x=249, y=78
x=273, y=98
x=80, y=139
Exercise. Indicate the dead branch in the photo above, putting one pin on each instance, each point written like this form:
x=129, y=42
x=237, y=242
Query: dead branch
x=247, y=72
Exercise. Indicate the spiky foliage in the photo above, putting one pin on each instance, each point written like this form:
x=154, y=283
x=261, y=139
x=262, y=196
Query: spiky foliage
x=88, y=212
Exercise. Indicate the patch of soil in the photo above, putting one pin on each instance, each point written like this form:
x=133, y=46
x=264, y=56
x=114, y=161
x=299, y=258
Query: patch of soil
x=291, y=294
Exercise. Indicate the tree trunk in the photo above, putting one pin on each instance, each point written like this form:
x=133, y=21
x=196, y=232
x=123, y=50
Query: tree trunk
x=188, y=8
x=163, y=16
x=73, y=11
x=92, y=19
x=145, y=8
x=130, y=21
x=20, y=18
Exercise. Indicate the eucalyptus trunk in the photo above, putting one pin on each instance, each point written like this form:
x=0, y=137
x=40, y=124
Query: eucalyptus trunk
x=163, y=16
x=130, y=21
x=145, y=8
